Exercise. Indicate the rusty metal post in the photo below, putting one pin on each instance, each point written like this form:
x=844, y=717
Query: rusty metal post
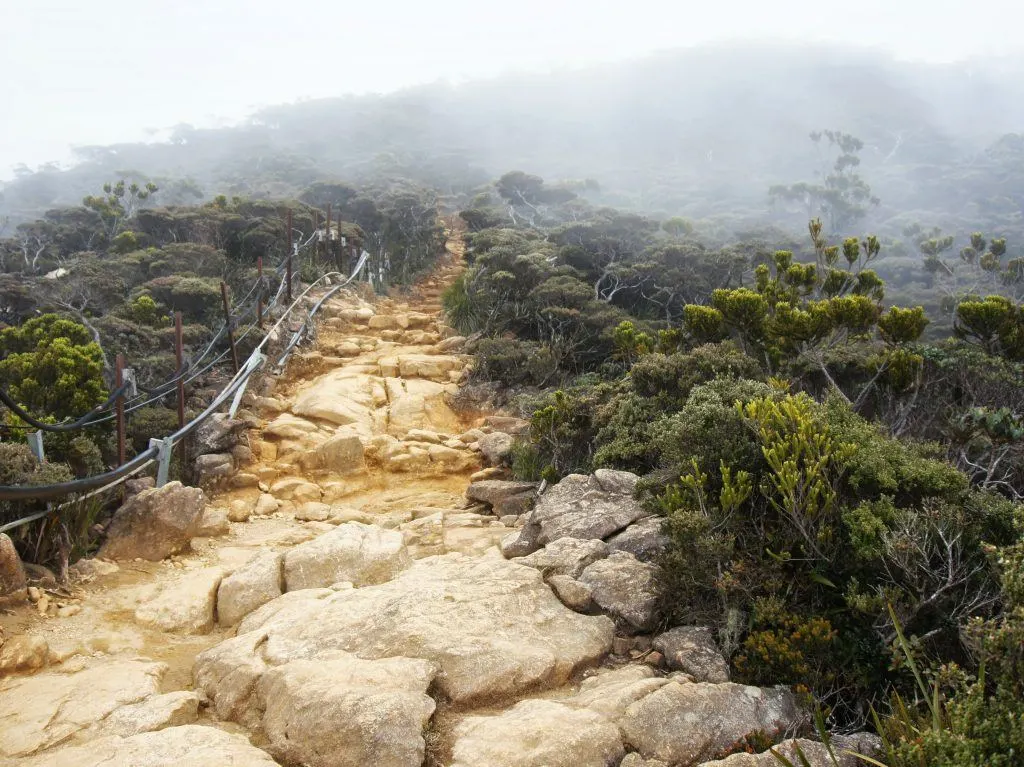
x=327, y=240
x=259, y=292
x=118, y=381
x=315, y=255
x=227, y=324
x=291, y=249
x=179, y=355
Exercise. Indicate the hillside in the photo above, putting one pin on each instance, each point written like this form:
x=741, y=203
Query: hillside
x=696, y=132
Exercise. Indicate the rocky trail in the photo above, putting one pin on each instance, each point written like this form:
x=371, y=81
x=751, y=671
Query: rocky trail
x=364, y=586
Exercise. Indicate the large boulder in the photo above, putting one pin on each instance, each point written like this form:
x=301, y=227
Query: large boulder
x=13, y=582
x=685, y=723
x=625, y=587
x=357, y=553
x=582, y=506
x=341, y=454
x=172, y=747
x=693, y=650
x=218, y=434
x=156, y=713
x=643, y=539
x=844, y=748
x=492, y=627
x=496, y=448
x=186, y=605
x=494, y=491
x=40, y=711
x=581, y=729
x=258, y=581
x=155, y=523
x=341, y=397
x=566, y=556
x=214, y=468
x=537, y=733
x=347, y=712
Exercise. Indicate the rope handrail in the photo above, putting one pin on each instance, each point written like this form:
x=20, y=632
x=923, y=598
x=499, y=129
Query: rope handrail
x=255, y=361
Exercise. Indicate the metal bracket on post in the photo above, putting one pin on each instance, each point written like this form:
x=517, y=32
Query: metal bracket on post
x=133, y=385
x=164, y=450
x=254, y=362
x=35, y=444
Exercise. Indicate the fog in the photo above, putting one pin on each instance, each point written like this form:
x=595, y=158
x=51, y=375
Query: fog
x=122, y=70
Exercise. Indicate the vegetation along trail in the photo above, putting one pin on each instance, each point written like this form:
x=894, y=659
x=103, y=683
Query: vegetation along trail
x=347, y=600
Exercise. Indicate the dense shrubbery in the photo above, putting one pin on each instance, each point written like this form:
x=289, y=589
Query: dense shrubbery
x=828, y=480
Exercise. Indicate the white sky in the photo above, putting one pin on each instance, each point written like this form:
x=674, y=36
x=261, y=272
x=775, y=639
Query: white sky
x=100, y=71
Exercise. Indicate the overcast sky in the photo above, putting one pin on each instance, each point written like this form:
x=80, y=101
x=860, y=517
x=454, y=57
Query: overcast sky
x=100, y=71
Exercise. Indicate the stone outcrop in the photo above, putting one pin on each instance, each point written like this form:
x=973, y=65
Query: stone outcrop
x=251, y=586
x=171, y=747
x=186, y=605
x=626, y=587
x=492, y=628
x=347, y=712
x=683, y=723
x=693, y=650
x=13, y=582
x=355, y=553
x=643, y=539
x=48, y=708
x=582, y=506
x=155, y=523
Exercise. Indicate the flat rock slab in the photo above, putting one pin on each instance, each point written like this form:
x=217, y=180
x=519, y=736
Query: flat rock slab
x=492, y=628
x=186, y=605
x=353, y=552
x=685, y=723
x=187, y=746
x=40, y=711
x=347, y=712
x=584, y=506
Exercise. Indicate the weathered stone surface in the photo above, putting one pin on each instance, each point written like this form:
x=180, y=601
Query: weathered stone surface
x=643, y=539
x=23, y=652
x=582, y=506
x=155, y=523
x=566, y=556
x=683, y=723
x=492, y=627
x=156, y=713
x=341, y=397
x=218, y=434
x=13, y=581
x=214, y=468
x=214, y=523
x=537, y=733
x=573, y=594
x=494, y=491
x=43, y=710
x=185, y=605
x=186, y=746
x=257, y=582
x=288, y=426
x=508, y=424
x=354, y=552
x=314, y=511
x=815, y=753
x=496, y=448
x=296, y=489
x=517, y=545
x=266, y=504
x=635, y=760
x=347, y=712
x=693, y=650
x=625, y=587
x=340, y=454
